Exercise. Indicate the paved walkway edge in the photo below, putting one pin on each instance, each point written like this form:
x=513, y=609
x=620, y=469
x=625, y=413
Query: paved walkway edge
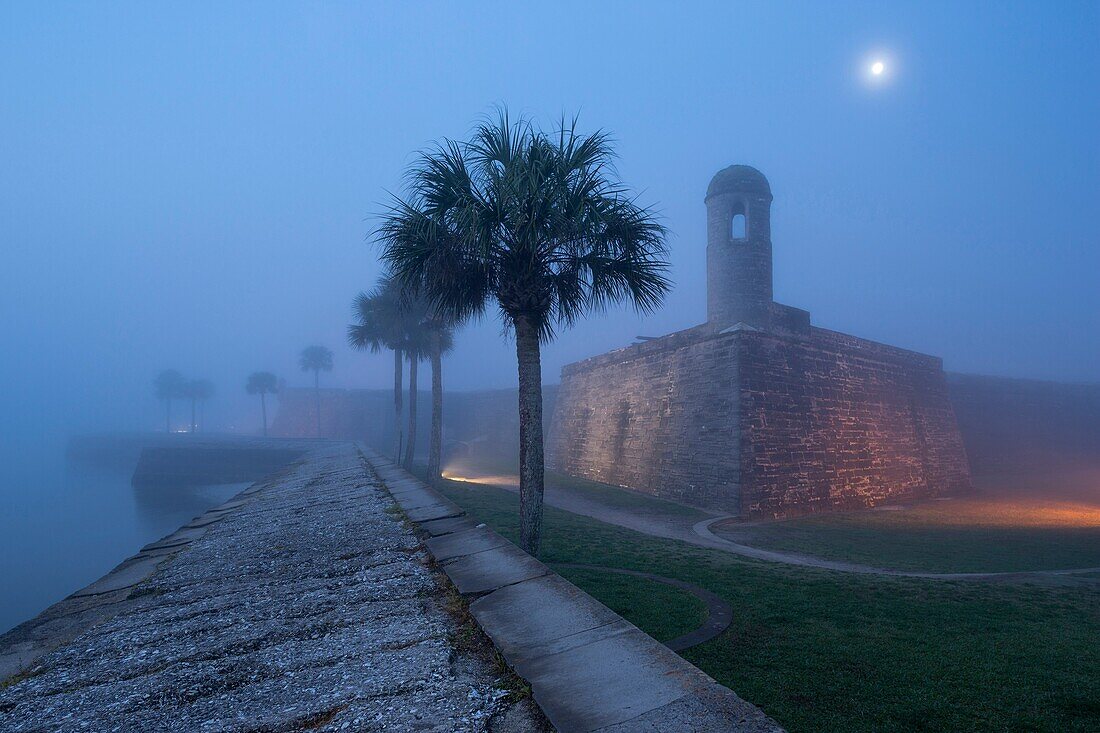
x=589, y=669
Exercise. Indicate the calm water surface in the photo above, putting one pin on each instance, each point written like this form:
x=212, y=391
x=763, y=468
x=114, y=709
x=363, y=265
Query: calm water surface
x=64, y=525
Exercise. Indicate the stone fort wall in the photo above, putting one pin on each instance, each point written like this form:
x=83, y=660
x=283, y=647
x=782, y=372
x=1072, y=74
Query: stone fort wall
x=661, y=417
x=761, y=425
x=835, y=422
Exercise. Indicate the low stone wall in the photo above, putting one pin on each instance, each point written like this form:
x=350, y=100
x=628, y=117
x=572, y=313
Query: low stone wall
x=1027, y=426
x=482, y=420
x=181, y=466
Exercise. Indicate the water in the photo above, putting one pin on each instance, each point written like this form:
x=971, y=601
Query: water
x=64, y=525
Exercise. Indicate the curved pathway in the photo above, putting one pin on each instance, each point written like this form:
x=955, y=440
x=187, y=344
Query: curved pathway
x=703, y=529
x=719, y=612
x=699, y=533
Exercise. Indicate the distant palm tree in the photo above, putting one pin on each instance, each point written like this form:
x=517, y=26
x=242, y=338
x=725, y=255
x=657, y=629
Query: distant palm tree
x=538, y=225
x=198, y=391
x=380, y=324
x=316, y=359
x=169, y=385
x=263, y=384
x=203, y=390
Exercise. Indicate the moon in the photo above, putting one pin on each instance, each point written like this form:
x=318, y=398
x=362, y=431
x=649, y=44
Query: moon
x=877, y=68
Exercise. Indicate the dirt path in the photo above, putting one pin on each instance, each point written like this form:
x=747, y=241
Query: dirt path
x=700, y=534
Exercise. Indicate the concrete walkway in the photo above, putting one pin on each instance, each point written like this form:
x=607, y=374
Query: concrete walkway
x=700, y=533
x=588, y=668
x=304, y=604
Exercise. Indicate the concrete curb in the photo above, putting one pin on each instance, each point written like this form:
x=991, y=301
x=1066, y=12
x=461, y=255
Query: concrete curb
x=589, y=669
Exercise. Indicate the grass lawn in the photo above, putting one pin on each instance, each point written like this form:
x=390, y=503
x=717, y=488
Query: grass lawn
x=663, y=611
x=960, y=535
x=823, y=651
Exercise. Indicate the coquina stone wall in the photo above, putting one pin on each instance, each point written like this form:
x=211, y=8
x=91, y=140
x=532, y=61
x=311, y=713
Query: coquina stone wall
x=761, y=425
x=833, y=421
x=661, y=417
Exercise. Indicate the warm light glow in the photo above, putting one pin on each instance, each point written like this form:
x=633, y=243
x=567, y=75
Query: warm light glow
x=504, y=480
x=877, y=68
x=1011, y=512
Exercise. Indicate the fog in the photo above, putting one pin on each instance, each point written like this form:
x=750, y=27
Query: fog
x=193, y=186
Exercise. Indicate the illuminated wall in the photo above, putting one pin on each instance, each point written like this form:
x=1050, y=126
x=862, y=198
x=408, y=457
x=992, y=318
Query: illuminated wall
x=759, y=424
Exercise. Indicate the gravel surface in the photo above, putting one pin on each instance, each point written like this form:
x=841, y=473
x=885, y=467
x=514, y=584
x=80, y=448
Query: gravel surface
x=310, y=607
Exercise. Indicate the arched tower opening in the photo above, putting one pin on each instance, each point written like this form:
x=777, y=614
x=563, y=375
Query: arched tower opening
x=739, y=247
x=739, y=224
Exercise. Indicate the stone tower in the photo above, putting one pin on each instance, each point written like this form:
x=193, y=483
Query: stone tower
x=757, y=412
x=739, y=248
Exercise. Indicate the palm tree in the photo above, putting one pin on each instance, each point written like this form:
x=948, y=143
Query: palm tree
x=316, y=359
x=169, y=385
x=190, y=391
x=538, y=225
x=417, y=347
x=202, y=390
x=263, y=384
x=391, y=318
x=380, y=325
x=441, y=341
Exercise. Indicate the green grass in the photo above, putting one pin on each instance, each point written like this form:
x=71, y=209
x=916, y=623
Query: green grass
x=823, y=651
x=663, y=611
x=942, y=536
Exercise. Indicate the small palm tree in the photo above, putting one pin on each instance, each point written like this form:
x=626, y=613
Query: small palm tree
x=538, y=225
x=169, y=385
x=316, y=359
x=263, y=384
x=201, y=390
x=380, y=324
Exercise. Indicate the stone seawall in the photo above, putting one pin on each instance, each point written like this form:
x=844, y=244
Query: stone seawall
x=302, y=604
x=181, y=466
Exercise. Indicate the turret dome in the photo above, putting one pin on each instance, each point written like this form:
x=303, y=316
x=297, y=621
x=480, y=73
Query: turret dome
x=738, y=179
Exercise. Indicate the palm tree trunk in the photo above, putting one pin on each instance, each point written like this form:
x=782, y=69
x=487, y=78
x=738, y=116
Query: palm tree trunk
x=263, y=409
x=398, y=369
x=435, y=443
x=410, y=445
x=531, y=468
x=317, y=397
x=168, y=416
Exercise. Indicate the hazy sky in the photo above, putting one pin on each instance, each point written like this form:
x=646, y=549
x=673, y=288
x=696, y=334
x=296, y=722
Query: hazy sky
x=191, y=184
